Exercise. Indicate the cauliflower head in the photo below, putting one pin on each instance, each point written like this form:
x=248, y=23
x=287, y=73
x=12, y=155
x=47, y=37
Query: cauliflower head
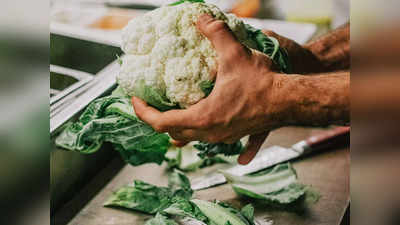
x=168, y=58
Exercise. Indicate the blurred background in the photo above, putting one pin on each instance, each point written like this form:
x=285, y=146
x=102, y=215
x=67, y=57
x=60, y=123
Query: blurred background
x=375, y=165
x=26, y=84
x=24, y=115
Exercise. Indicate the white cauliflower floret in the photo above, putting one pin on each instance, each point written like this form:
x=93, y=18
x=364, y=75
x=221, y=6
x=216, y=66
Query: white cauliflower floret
x=165, y=49
x=141, y=67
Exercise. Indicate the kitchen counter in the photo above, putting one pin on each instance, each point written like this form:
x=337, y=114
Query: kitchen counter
x=328, y=172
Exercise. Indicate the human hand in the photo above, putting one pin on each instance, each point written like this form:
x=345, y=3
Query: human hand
x=302, y=58
x=241, y=103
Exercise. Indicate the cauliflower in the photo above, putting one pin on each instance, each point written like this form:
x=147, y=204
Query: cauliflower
x=168, y=64
x=166, y=52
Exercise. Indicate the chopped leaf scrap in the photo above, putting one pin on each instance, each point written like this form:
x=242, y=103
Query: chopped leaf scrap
x=278, y=185
x=175, y=162
x=222, y=213
x=174, y=201
x=149, y=198
x=210, y=150
x=160, y=219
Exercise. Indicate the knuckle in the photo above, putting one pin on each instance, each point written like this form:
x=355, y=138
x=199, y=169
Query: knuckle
x=184, y=135
x=179, y=137
x=223, y=122
x=216, y=26
x=201, y=124
x=160, y=128
x=213, y=139
x=205, y=18
x=269, y=33
x=175, y=136
x=210, y=140
x=228, y=139
x=188, y=134
x=204, y=121
x=185, y=139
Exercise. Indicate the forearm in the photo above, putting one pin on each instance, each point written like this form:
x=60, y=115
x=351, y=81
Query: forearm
x=328, y=53
x=312, y=100
x=332, y=50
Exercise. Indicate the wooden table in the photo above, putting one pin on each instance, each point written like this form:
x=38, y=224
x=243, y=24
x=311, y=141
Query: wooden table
x=327, y=172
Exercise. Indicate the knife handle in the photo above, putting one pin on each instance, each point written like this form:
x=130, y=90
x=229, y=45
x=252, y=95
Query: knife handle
x=334, y=138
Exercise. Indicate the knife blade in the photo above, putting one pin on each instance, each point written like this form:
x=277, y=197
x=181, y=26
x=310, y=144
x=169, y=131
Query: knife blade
x=271, y=156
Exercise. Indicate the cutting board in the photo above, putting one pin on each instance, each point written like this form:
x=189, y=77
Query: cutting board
x=328, y=172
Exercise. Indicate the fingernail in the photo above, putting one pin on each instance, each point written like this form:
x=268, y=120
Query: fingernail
x=242, y=161
x=178, y=143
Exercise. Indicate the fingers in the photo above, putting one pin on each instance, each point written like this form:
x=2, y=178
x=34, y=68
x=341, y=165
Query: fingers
x=219, y=34
x=179, y=143
x=185, y=135
x=254, y=144
x=163, y=121
x=144, y=111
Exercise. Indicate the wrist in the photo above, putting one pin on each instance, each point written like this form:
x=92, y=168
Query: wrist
x=291, y=99
x=280, y=105
x=311, y=100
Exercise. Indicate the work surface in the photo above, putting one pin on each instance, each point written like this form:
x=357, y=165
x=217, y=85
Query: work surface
x=328, y=172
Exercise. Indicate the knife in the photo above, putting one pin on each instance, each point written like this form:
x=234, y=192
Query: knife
x=267, y=157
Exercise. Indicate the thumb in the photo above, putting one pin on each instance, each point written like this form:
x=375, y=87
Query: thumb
x=254, y=144
x=218, y=33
